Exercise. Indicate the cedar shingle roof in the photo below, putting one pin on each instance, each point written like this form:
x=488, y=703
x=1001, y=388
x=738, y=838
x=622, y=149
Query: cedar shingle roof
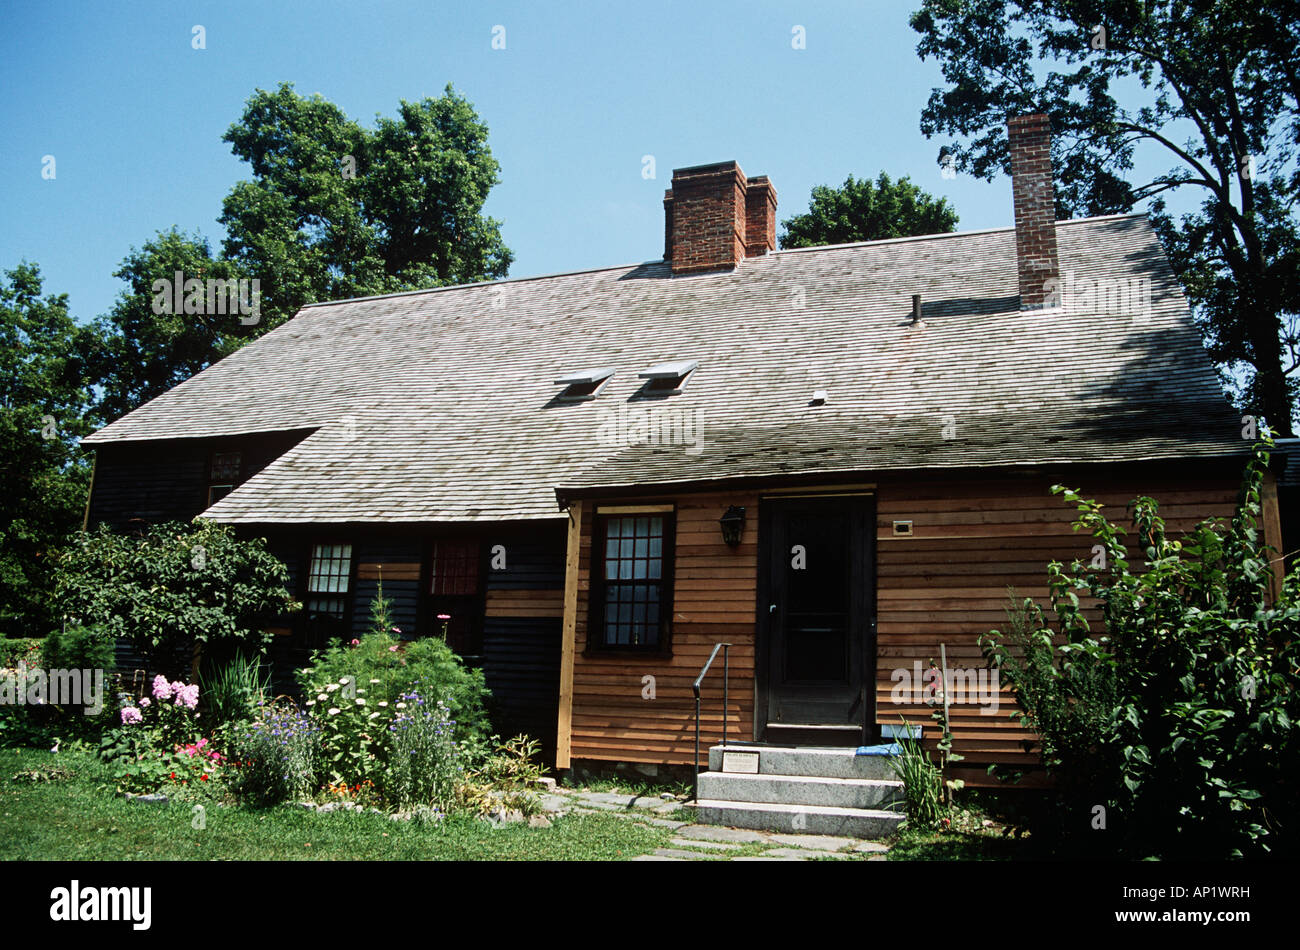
x=440, y=405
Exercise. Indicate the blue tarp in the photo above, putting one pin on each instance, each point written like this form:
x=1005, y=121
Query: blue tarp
x=888, y=748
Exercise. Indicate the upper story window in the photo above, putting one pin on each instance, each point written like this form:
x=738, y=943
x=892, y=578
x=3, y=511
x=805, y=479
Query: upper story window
x=630, y=591
x=223, y=475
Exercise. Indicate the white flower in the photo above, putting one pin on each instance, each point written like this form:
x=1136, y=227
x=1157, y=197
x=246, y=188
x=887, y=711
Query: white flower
x=334, y=710
x=331, y=687
x=374, y=681
x=401, y=705
x=384, y=703
x=311, y=702
x=372, y=715
x=345, y=681
x=361, y=702
x=322, y=697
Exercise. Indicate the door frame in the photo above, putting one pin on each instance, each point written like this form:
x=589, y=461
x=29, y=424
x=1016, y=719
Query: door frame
x=864, y=601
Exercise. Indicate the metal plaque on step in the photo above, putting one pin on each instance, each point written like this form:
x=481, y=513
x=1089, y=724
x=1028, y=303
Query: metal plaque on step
x=740, y=762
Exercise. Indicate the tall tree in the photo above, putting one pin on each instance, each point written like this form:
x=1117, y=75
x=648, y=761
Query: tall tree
x=44, y=399
x=337, y=210
x=866, y=211
x=147, y=343
x=1211, y=85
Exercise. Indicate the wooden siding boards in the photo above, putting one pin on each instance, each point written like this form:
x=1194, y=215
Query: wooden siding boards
x=947, y=584
x=167, y=480
x=713, y=600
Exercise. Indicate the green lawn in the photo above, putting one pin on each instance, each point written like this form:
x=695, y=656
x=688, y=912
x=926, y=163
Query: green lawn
x=79, y=817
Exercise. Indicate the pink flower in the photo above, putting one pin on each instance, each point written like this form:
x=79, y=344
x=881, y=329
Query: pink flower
x=397, y=630
x=130, y=714
x=444, y=616
x=161, y=688
x=356, y=643
x=145, y=701
x=392, y=649
x=187, y=696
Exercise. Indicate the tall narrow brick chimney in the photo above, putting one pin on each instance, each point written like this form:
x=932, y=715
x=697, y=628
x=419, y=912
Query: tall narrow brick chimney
x=1030, y=141
x=714, y=217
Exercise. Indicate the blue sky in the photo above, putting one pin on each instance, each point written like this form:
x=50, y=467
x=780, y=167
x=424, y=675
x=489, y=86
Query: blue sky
x=133, y=115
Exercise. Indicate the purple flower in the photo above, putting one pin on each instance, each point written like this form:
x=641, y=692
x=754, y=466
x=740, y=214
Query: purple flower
x=130, y=714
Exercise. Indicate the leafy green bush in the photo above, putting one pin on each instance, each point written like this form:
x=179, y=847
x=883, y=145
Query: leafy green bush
x=1175, y=727
x=385, y=667
x=16, y=650
x=505, y=778
x=78, y=648
x=174, y=590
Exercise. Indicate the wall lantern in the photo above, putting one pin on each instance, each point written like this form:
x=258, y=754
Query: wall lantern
x=733, y=523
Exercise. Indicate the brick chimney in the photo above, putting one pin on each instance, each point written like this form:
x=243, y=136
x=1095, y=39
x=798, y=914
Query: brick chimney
x=1030, y=140
x=714, y=217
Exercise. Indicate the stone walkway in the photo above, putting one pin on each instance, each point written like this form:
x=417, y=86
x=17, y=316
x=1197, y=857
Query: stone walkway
x=694, y=842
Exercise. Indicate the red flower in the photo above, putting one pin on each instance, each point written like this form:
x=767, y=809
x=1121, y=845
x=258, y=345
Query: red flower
x=173, y=775
x=204, y=776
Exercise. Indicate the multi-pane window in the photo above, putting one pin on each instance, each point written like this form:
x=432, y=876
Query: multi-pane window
x=328, y=580
x=455, y=568
x=223, y=475
x=454, y=589
x=630, y=603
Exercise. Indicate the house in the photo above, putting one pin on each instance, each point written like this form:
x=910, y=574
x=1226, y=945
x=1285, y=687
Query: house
x=835, y=460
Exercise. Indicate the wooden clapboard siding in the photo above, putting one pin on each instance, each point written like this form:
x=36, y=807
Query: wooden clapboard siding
x=167, y=480
x=525, y=603
x=947, y=583
x=713, y=600
x=394, y=563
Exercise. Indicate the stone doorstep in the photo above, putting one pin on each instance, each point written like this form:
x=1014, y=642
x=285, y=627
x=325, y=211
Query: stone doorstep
x=809, y=790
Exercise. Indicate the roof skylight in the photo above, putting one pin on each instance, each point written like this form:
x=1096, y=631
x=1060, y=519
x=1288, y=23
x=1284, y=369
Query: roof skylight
x=583, y=384
x=667, y=379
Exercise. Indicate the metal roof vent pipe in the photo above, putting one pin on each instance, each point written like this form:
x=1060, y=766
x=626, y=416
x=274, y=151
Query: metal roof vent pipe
x=916, y=311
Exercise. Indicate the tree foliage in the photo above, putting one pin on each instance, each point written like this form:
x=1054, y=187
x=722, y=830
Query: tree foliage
x=174, y=590
x=44, y=399
x=1178, y=718
x=1209, y=88
x=139, y=352
x=336, y=210
x=867, y=211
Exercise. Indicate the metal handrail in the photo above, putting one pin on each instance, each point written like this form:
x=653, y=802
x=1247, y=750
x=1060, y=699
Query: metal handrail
x=695, y=687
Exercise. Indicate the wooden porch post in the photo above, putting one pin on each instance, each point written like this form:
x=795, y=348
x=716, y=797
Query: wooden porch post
x=1272, y=530
x=564, y=733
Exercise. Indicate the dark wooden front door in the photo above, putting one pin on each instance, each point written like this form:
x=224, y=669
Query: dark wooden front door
x=819, y=651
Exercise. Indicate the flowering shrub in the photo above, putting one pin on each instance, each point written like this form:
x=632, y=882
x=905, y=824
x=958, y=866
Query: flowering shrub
x=387, y=667
x=154, y=730
x=422, y=754
x=276, y=755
